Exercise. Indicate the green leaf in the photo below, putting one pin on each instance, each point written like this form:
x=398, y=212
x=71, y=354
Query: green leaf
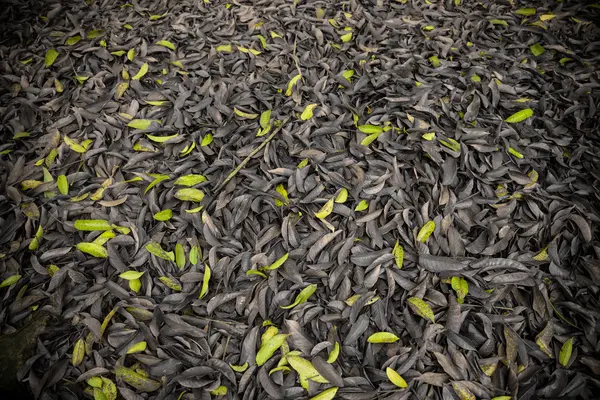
x=520, y=116
x=81, y=79
x=131, y=275
x=333, y=356
x=290, y=86
x=104, y=237
x=327, y=394
x=170, y=283
x=157, y=16
x=303, y=163
x=224, y=48
x=63, y=184
x=398, y=253
x=220, y=391
x=362, y=206
x=499, y=22
x=426, y=231
x=395, y=378
x=461, y=287
x=205, y=281
x=141, y=124
x=78, y=352
x=137, y=348
x=421, y=308
x=342, y=196
x=206, y=140
x=143, y=71
x=348, y=74
x=475, y=78
x=93, y=34
x=92, y=225
x=157, y=250
x=263, y=41
x=564, y=60
x=278, y=263
x=565, y=352
x=245, y=115
x=525, y=11
x=163, y=215
x=429, y=136
x=515, y=152
x=370, y=129
x=195, y=254
x=268, y=348
x=435, y=61
x=537, y=49
x=428, y=28
x=451, y=144
x=95, y=381
x=93, y=249
x=167, y=44
x=128, y=27
x=305, y=370
x=369, y=139
x=189, y=194
x=50, y=57
x=11, y=280
x=325, y=210
x=346, y=37
x=179, y=256
x=308, y=112
x=302, y=296
x=239, y=368
x=118, y=53
x=383, y=337
x=73, y=40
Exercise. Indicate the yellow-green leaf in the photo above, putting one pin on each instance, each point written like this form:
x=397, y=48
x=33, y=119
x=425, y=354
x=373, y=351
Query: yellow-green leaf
x=302, y=296
x=395, y=378
x=205, y=281
x=157, y=102
x=92, y=225
x=325, y=210
x=525, y=11
x=265, y=118
x=120, y=90
x=268, y=348
x=308, y=112
x=499, y=22
x=303, y=163
x=281, y=190
x=163, y=215
x=195, y=254
x=93, y=34
x=565, y=352
x=143, y=71
x=206, y=140
x=161, y=139
x=170, y=283
x=348, y=74
x=245, y=115
x=475, y=78
x=346, y=37
x=421, y=308
x=50, y=57
x=342, y=196
x=194, y=210
x=263, y=41
x=451, y=144
x=461, y=287
x=104, y=237
x=224, y=48
x=435, y=61
x=11, y=280
x=428, y=28
x=239, y=368
x=128, y=27
x=63, y=184
x=515, y=152
x=157, y=179
x=158, y=251
x=141, y=124
x=537, y=49
x=93, y=249
x=369, y=139
x=428, y=136
x=426, y=231
x=58, y=86
x=189, y=194
x=138, y=381
x=462, y=391
x=398, y=253
x=167, y=44
x=118, y=53
x=220, y=391
x=131, y=275
x=137, y=348
x=564, y=60
x=383, y=337
x=292, y=82
x=305, y=369
x=333, y=356
x=256, y=272
x=502, y=398
x=278, y=263
x=78, y=352
x=95, y=381
x=370, y=129
x=327, y=394
x=190, y=180
x=362, y=206
x=155, y=17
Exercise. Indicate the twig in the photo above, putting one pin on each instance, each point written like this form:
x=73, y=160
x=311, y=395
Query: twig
x=254, y=152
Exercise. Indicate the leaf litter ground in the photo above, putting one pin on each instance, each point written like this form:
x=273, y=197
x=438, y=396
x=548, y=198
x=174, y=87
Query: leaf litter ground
x=292, y=199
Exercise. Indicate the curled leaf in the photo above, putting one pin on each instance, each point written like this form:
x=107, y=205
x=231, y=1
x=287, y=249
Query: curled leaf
x=308, y=112
x=302, y=296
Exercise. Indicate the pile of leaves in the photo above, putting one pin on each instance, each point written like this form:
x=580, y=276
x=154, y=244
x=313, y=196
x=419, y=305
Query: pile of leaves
x=302, y=199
